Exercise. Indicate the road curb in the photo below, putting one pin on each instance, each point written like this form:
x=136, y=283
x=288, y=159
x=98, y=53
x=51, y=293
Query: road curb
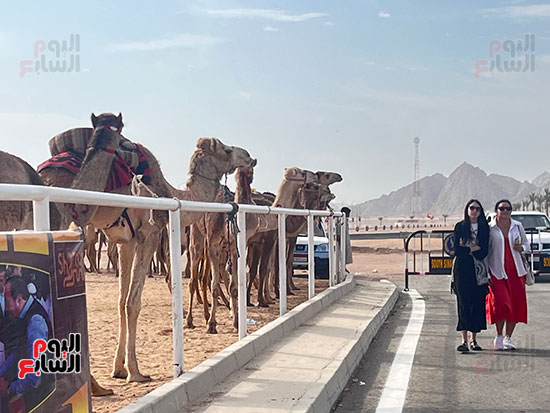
x=344, y=367
x=197, y=382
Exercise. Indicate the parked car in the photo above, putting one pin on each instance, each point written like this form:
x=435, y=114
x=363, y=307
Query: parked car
x=534, y=222
x=320, y=253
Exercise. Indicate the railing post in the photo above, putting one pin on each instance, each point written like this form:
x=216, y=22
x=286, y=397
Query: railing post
x=241, y=243
x=331, y=255
x=343, y=235
x=177, y=300
x=41, y=214
x=310, y=258
x=282, y=264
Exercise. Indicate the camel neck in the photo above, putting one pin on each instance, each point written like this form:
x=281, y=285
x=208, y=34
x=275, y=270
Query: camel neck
x=288, y=195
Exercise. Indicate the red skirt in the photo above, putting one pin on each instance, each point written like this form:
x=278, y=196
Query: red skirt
x=506, y=300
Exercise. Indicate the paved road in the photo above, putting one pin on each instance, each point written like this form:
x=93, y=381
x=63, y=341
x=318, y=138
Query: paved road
x=444, y=380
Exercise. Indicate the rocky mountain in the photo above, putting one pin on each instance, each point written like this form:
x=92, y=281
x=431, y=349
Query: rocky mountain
x=442, y=195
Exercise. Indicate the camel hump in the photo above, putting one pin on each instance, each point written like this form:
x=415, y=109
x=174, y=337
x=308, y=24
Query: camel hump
x=15, y=170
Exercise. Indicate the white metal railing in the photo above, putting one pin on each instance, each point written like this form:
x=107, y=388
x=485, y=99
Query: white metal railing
x=41, y=196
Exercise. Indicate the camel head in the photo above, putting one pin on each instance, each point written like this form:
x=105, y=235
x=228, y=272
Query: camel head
x=326, y=197
x=310, y=195
x=225, y=158
x=300, y=175
x=328, y=178
x=108, y=120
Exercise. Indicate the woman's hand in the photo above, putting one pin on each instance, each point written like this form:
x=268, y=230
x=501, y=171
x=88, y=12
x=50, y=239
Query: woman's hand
x=518, y=247
x=474, y=249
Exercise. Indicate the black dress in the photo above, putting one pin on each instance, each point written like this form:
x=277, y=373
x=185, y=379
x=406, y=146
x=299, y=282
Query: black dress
x=470, y=297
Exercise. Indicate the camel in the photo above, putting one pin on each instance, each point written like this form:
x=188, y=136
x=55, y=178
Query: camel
x=211, y=235
x=133, y=229
x=289, y=195
x=264, y=260
x=17, y=215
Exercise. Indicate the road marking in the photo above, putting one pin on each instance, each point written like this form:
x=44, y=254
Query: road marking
x=395, y=390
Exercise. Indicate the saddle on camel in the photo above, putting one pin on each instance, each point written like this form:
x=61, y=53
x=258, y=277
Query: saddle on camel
x=68, y=150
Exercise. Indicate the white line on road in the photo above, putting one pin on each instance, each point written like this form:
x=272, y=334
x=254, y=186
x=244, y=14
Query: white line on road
x=397, y=383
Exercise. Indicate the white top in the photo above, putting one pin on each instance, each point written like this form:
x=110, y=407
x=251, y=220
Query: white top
x=495, y=258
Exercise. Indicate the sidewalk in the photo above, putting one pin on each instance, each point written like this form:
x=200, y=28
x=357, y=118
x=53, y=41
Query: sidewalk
x=307, y=369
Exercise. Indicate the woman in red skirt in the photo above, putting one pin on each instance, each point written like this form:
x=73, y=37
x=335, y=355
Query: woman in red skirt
x=506, y=303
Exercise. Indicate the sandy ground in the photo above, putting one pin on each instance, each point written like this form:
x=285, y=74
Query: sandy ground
x=373, y=259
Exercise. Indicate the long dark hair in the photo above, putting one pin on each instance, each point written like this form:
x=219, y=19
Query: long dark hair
x=465, y=230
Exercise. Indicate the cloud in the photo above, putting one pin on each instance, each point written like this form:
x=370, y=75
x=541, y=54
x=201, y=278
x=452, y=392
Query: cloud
x=185, y=40
x=270, y=29
x=329, y=23
x=384, y=14
x=533, y=10
x=269, y=14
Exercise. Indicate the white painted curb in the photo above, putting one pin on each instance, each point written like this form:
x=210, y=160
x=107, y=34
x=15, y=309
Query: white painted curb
x=197, y=382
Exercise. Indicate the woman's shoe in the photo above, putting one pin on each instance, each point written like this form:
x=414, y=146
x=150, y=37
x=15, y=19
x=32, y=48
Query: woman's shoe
x=498, y=343
x=474, y=346
x=507, y=343
x=463, y=348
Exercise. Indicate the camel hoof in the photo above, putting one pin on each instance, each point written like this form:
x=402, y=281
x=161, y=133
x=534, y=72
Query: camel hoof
x=98, y=391
x=119, y=374
x=263, y=305
x=212, y=329
x=249, y=304
x=189, y=324
x=138, y=378
x=295, y=288
x=290, y=293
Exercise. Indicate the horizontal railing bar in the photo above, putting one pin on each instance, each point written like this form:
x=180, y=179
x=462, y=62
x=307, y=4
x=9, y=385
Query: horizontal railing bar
x=10, y=192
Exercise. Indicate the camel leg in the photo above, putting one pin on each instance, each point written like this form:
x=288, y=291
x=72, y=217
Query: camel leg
x=214, y=253
x=143, y=254
x=125, y=256
x=226, y=282
x=195, y=250
x=269, y=247
x=289, y=259
x=254, y=259
x=205, y=279
x=97, y=390
x=234, y=291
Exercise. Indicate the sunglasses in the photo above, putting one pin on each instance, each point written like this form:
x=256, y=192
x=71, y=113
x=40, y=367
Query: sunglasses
x=504, y=208
x=475, y=208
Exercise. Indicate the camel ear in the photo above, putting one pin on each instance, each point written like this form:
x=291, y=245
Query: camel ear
x=94, y=120
x=208, y=144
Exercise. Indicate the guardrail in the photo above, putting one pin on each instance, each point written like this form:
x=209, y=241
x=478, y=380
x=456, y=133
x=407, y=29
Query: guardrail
x=41, y=196
x=446, y=251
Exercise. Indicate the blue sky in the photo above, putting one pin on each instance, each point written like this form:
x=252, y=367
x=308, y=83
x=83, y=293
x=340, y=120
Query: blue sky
x=324, y=85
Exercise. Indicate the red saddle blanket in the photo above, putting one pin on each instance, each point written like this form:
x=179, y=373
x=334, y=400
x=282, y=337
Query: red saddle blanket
x=121, y=174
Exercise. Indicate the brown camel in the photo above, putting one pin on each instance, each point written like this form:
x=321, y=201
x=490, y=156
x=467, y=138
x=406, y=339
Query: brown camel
x=212, y=235
x=265, y=259
x=133, y=229
x=289, y=195
x=16, y=215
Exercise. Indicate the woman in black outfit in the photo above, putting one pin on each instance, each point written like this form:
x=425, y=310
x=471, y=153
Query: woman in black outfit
x=471, y=240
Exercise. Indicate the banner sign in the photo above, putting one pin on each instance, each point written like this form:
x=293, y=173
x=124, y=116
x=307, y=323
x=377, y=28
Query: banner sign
x=441, y=265
x=544, y=263
x=44, y=360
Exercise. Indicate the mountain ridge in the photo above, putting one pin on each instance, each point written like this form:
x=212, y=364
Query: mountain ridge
x=448, y=195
